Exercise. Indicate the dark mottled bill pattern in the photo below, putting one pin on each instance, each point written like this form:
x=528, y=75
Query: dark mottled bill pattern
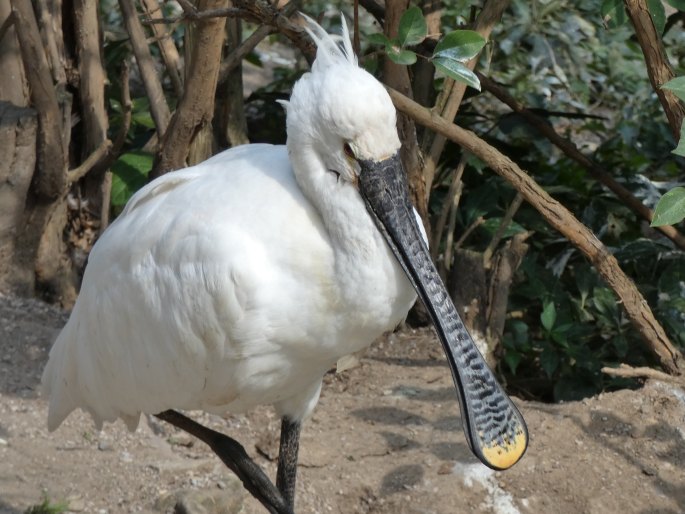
x=494, y=427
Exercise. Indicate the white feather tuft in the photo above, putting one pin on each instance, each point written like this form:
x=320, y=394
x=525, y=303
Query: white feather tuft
x=328, y=50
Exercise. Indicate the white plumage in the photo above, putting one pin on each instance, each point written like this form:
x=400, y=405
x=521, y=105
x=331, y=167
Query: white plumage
x=241, y=280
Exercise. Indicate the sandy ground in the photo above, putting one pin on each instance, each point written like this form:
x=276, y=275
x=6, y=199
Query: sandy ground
x=385, y=438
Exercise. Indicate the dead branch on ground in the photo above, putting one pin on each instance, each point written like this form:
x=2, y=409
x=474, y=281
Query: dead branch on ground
x=625, y=371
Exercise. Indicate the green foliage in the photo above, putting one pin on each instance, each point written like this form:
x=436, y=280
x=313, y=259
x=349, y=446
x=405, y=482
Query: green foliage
x=412, y=29
x=677, y=4
x=613, y=13
x=129, y=173
x=576, y=64
x=449, y=56
x=671, y=208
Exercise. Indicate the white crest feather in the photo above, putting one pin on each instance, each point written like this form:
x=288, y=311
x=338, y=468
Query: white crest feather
x=328, y=48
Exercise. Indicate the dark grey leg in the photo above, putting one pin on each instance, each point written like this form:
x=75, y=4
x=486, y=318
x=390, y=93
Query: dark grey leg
x=287, y=460
x=232, y=453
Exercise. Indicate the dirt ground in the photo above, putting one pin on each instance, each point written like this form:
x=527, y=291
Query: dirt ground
x=386, y=437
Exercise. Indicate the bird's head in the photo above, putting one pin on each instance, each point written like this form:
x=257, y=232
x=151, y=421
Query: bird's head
x=339, y=115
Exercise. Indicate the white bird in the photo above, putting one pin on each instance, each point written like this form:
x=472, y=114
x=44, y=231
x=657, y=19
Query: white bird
x=242, y=280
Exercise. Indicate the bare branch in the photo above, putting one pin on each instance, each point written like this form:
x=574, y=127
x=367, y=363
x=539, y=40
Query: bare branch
x=50, y=179
x=9, y=21
x=256, y=11
x=206, y=14
x=115, y=150
x=236, y=56
x=158, y=106
x=473, y=226
x=506, y=221
x=451, y=199
x=658, y=68
x=90, y=162
x=562, y=220
x=166, y=45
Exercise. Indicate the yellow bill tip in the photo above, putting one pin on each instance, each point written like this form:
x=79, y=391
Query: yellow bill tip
x=503, y=456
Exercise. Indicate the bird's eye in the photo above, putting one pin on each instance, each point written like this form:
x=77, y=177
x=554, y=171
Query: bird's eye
x=348, y=151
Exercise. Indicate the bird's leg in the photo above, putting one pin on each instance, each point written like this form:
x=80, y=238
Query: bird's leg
x=232, y=453
x=287, y=460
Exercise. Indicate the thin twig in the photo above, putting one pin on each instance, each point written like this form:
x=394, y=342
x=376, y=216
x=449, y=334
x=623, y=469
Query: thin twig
x=473, y=226
x=504, y=223
x=226, y=12
x=625, y=371
x=452, y=194
x=115, y=151
x=233, y=59
x=167, y=48
x=91, y=161
x=237, y=55
x=158, y=105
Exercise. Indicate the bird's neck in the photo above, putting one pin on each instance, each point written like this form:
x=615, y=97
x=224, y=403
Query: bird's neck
x=343, y=212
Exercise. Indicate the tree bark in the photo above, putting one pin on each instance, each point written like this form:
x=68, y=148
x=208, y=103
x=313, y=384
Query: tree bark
x=194, y=110
x=658, y=68
x=49, y=181
x=18, y=132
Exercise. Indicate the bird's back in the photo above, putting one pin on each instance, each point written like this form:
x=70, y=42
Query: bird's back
x=195, y=296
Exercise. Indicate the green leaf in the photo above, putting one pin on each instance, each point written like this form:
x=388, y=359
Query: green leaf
x=378, y=38
x=613, y=13
x=457, y=71
x=549, y=360
x=129, y=173
x=620, y=344
x=658, y=14
x=513, y=359
x=677, y=4
x=548, y=316
x=413, y=28
x=677, y=86
x=680, y=149
x=400, y=56
x=671, y=208
x=460, y=45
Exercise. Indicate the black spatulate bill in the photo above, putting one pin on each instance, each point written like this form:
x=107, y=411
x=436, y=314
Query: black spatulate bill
x=494, y=427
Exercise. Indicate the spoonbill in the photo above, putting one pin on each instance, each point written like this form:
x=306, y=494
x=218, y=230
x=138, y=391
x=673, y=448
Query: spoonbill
x=240, y=281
